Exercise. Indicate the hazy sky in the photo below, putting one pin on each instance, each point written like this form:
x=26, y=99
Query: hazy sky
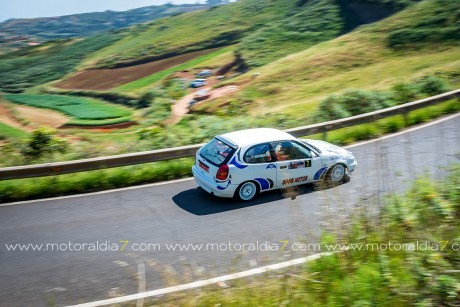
x=47, y=8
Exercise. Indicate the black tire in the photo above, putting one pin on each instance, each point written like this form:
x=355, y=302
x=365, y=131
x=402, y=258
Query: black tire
x=247, y=191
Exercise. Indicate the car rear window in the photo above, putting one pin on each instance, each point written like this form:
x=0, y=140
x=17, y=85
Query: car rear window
x=216, y=152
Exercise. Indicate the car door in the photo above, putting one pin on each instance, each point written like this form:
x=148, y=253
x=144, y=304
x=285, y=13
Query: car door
x=261, y=166
x=295, y=164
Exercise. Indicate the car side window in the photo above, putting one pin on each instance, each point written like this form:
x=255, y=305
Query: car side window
x=287, y=150
x=258, y=154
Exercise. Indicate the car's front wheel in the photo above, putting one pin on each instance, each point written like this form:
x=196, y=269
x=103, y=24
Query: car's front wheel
x=337, y=174
x=246, y=191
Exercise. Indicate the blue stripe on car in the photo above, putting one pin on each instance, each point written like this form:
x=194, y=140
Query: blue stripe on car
x=319, y=173
x=234, y=162
x=223, y=188
x=264, y=184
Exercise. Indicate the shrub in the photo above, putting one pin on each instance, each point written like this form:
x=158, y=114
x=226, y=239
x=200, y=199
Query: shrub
x=404, y=92
x=43, y=141
x=363, y=133
x=351, y=103
x=393, y=125
x=431, y=85
x=406, y=37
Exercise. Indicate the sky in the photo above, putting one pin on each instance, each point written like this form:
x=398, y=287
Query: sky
x=47, y=8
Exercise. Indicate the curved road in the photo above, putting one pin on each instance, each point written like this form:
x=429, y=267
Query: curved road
x=179, y=213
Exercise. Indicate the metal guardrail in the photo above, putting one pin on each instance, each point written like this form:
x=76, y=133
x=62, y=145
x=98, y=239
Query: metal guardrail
x=58, y=168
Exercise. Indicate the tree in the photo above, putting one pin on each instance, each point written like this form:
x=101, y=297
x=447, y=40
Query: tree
x=42, y=141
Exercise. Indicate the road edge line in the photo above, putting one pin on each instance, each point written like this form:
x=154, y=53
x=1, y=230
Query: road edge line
x=202, y=283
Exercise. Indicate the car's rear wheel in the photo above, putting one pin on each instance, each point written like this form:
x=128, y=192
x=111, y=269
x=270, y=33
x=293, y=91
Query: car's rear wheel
x=246, y=191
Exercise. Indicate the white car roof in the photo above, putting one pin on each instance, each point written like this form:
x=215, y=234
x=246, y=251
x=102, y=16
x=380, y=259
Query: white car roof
x=256, y=136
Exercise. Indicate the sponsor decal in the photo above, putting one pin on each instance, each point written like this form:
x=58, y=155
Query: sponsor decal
x=295, y=180
x=334, y=158
x=271, y=165
x=261, y=156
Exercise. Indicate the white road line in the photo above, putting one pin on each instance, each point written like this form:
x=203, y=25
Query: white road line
x=435, y=122
x=202, y=283
x=415, y=128
x=97, y=193
x=141, y=279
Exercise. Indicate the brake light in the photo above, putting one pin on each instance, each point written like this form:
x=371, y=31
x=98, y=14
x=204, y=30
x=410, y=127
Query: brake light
x=222, y=172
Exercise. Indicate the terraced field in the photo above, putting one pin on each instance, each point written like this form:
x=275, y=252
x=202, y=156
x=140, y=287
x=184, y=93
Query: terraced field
x=106, y=79
x=82, y=111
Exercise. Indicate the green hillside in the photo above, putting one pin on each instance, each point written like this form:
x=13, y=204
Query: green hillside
x=261, y=25
x=28, y=67
x=87, y=24
x=267, y=30
x=217, y=26
x=313, y=21
x=373, y=57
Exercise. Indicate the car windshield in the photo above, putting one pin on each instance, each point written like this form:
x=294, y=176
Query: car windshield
x=216, y=152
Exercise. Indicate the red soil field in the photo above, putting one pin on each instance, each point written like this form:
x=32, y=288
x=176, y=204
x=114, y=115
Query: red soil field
x=106, y=79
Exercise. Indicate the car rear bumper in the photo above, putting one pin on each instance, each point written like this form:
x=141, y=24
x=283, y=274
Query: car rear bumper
x=225, y=189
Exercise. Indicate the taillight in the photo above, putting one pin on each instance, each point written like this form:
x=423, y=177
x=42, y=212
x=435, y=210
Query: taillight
x=222, y=172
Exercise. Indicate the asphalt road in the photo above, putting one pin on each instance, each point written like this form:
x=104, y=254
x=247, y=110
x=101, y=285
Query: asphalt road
x=179, y=213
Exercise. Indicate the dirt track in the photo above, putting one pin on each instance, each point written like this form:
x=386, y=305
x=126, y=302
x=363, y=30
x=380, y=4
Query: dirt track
x=105, y=79
x=181, y=107
x=35, y=116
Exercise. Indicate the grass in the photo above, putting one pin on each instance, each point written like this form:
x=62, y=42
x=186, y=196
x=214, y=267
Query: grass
x=219, y=60
x=8, y=132
x=14, y=190
x=142, y=83
x=99, y=122
x=314, y=22
x=82, y=109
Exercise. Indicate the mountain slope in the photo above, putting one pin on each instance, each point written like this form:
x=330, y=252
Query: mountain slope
x=268, y=29
x=80, y=25
x=366, y=58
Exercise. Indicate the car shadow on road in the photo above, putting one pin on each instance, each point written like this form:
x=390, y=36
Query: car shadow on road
x=199, y=202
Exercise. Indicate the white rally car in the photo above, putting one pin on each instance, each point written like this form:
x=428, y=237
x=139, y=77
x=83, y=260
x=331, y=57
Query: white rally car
x=243, y=163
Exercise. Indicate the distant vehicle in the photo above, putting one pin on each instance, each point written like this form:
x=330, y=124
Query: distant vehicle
x=243, y=163
x=202, y=95
x=205, y=73
x=198, y=83
x=192, y=102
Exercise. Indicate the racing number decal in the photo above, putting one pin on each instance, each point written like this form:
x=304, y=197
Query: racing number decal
x=299, y=164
